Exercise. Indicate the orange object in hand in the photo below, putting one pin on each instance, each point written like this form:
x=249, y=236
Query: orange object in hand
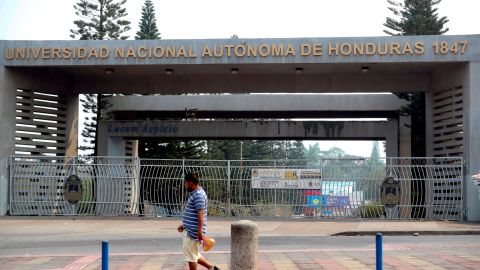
x=208, y=243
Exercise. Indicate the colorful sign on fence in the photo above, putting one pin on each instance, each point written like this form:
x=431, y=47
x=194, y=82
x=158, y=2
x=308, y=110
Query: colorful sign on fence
x=287, y=178
x=327, y=200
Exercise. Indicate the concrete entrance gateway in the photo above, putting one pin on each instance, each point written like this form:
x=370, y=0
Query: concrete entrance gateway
x=40, y=82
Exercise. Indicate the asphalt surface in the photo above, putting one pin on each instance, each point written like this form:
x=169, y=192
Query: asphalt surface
x=139, y=243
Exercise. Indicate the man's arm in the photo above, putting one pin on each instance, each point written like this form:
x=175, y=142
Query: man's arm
x=200, y=224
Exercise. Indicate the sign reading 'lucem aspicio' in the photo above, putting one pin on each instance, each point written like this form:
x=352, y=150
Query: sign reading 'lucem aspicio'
x=330, y=49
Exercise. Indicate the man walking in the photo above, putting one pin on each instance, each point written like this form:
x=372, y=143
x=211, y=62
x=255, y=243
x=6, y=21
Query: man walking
x=194, y=223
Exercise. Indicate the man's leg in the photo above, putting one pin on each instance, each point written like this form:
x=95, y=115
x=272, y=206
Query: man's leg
x=204, y=262
x=190, y=251
x=192, y=265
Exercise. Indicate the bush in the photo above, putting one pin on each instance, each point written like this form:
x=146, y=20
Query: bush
x=372, y=210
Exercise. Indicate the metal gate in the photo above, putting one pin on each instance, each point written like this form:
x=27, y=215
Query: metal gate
x=110, y=185
x=430, y=188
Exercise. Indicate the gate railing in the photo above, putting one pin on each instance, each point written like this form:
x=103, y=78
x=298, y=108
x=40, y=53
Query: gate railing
x=110, y=185
x=430, y=188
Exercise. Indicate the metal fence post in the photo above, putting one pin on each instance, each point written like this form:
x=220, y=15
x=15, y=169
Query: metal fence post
x=228, y=188
x=275, y=192
x=104, y=255
x=379, y=251
x=138, y=186
x=74, y=171
x=183, y=177
x=9, y=162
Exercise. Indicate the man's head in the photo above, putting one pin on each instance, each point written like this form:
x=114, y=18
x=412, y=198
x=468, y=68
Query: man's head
x=191, y=181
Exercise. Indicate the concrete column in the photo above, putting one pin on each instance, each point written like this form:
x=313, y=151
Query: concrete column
x=472, y=139
x=244, y=249
x=467, y=76
x=72, y=126
x=405, y=150
x=109, y=145
x=392, y=142
x=8, y=92
x=116, y=147
x=405, y=140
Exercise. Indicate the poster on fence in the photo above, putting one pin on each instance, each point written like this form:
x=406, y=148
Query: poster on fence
x=287, y=178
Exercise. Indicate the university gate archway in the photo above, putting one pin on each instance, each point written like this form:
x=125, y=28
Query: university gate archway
x=40, y=82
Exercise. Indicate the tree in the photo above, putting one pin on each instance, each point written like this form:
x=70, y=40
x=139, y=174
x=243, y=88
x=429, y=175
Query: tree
x=295, y=150
x=312, y=152
x=417, y=17
x=171, y=149
x=148, y=23
x=99, y=20
x=375, y=155
x=89, y=133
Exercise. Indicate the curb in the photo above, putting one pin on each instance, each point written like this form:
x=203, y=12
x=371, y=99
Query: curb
x=407, y=233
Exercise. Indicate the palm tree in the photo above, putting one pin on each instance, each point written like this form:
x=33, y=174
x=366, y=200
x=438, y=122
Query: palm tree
x=312, y=152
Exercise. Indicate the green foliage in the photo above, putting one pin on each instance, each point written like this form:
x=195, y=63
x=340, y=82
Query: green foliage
x=254, y=150
x=148, y=23
x=224, y=150
x=90, y=107
x=312, y=152
x=296, y=150
x=416, y=110
x=417, y=17
x=100, y=20
x=372, y=210
x=171, y=149
x=375, y=155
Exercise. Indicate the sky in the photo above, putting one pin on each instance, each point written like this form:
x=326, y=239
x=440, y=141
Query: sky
x=205, y=19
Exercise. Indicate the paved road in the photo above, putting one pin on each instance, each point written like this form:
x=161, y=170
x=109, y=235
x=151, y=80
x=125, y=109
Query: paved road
x=276, y=252
x=137, y=243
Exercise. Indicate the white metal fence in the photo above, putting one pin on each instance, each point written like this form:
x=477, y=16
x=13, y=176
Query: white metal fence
x=430, y=188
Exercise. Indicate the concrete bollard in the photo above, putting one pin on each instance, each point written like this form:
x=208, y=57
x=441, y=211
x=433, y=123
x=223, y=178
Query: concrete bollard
x=244, y=248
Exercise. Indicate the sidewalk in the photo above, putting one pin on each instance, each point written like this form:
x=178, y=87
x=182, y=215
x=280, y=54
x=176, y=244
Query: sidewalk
x=221, y=227
x=396, y=255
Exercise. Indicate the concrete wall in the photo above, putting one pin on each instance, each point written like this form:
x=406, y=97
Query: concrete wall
x=468, y=76
x=110, y=131
x=7, y=128
x=197, y=47
x=326, y=70
x=472, y=139
x=312, y=103
x=12, y=79
x=320, y=72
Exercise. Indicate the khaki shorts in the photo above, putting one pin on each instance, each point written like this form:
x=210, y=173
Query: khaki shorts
x=190, y=248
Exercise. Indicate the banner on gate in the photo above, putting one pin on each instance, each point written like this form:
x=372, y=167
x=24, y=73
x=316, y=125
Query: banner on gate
x=287, y=178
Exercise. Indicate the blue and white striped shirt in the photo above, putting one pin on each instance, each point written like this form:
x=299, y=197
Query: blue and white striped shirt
x=197, y=199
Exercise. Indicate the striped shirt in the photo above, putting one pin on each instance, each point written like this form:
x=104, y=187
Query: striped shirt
x=197, y=199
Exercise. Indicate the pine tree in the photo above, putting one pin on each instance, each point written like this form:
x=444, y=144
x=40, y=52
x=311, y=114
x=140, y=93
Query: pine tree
x=297, y=150
x=89, y=104
x=148, y=23
x=417, y=17
x=375, y=155
x=99, y=20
